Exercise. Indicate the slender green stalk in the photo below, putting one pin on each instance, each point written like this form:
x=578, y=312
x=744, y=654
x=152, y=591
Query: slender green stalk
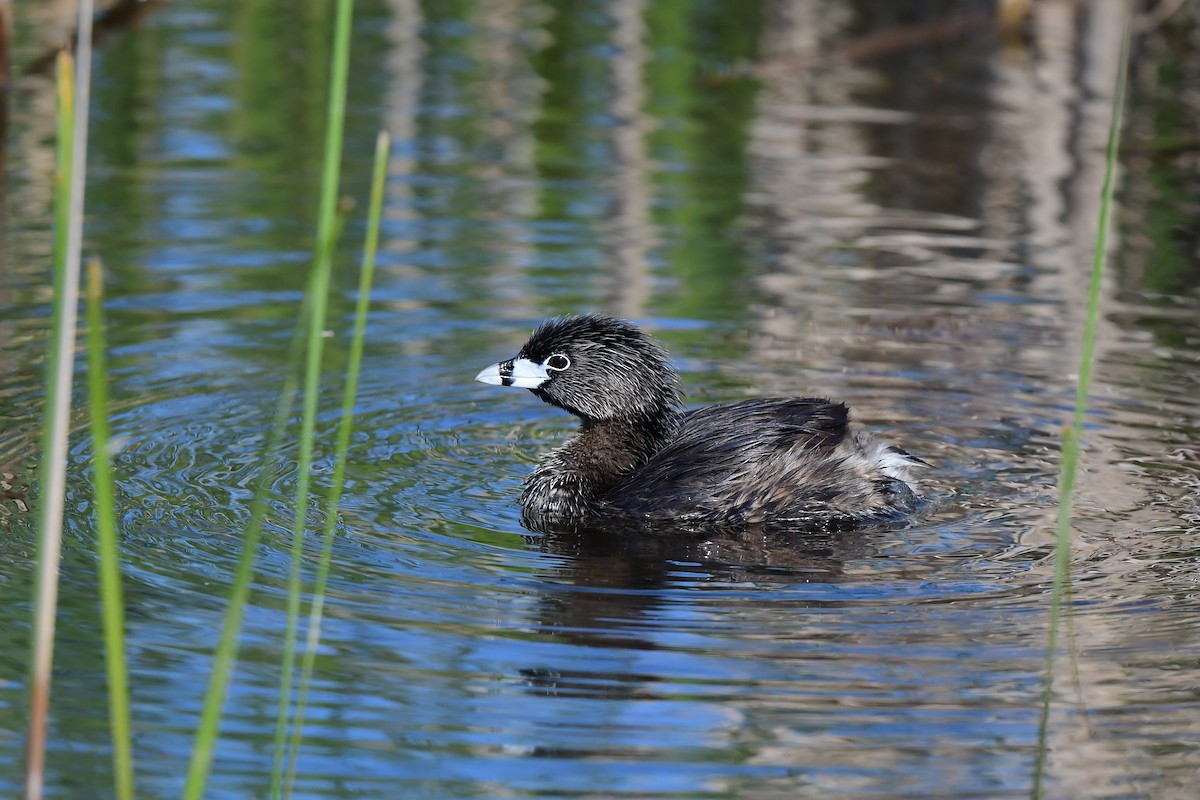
x=50, y=524
x=350, y=393
x=109, y=554
x=225, y=656
x=1072, y=433
x=68, y=214
x=326, y=225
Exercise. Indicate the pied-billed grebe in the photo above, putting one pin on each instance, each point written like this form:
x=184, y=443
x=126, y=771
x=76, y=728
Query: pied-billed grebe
x=638, y=455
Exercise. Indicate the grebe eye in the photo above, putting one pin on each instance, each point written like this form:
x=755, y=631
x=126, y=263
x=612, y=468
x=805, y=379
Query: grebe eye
x=558, y=362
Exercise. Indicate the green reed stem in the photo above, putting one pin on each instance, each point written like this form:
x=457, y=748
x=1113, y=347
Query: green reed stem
x=350, y=393
x=109, y=554
x=52, y=478
x=322, y=265
x=225, y=656
x=1072, y=434
x=68, y=218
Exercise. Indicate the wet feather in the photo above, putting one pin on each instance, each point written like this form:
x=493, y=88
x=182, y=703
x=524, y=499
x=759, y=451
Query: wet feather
x=639, y=456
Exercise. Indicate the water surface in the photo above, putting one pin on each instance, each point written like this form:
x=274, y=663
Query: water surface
x=831, y=199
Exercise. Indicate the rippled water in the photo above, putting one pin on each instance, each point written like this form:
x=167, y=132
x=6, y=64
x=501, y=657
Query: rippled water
x=792, y=206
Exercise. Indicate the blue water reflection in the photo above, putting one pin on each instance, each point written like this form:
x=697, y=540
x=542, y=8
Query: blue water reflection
x=797, y=198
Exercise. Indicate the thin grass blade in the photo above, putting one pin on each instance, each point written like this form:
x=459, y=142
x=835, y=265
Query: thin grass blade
x=225, y=657
x=322, y=265
x=72, y=154
x=111, y=594
x=1072, y=434
x=345, y=425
